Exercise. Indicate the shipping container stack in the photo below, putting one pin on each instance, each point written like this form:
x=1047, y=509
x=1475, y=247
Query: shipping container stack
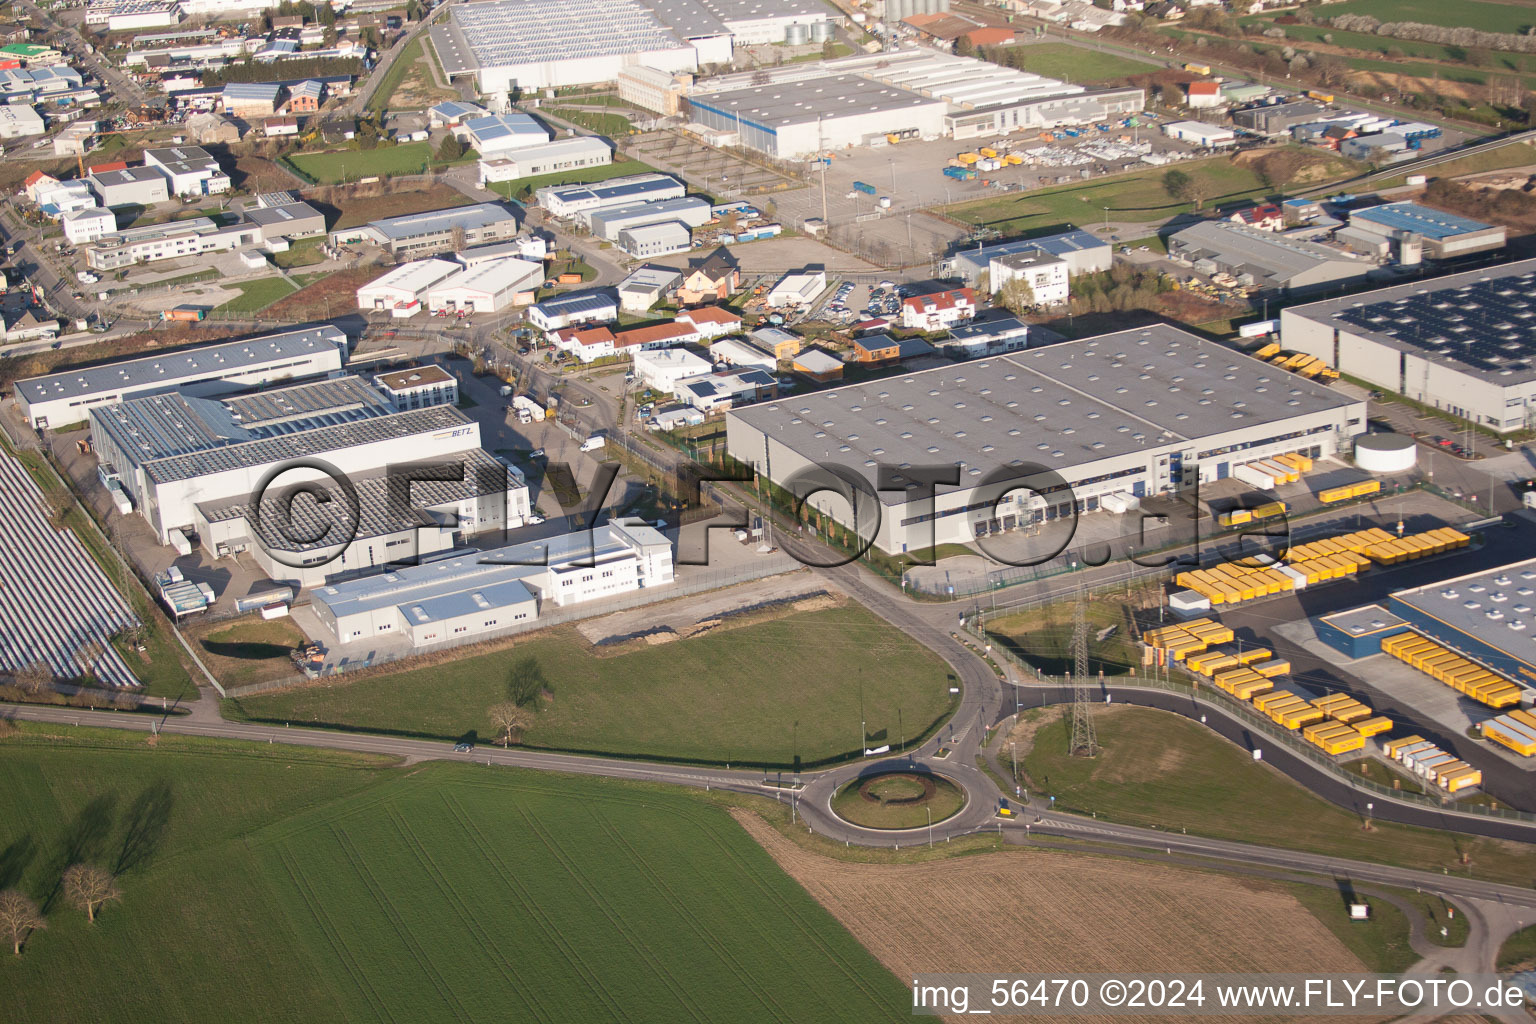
x=1429, y=762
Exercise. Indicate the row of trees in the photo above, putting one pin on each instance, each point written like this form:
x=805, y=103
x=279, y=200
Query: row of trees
x=86, y=886
x=1445, y=34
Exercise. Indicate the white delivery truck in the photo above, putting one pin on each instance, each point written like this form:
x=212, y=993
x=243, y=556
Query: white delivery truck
x=593, y=443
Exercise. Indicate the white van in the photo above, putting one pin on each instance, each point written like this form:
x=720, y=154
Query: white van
x=593, y=443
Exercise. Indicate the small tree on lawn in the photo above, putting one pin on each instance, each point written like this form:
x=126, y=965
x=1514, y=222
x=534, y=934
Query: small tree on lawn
x=510, y=718
x=450, y=149
x=89, y=887
x=19, y=918
x=1016, y=295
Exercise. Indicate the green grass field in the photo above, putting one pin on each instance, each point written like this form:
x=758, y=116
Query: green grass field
x=257, y=295
x=1079, y=64
x=731, y=695
x=1160, y=769
x=277, y=884
x=1381, y=943
x=1474, y=14
x=523, y=187
x=1519, y=950
x=609, y=124
x=1043, y=638
x=351, y=164
x=1138, y=196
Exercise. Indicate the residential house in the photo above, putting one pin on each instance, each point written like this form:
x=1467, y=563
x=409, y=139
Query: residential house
x=818, y=365
x=711, y=321
x=714, y=278
x=1264, y=217
x=306, y=97
x=939, y=310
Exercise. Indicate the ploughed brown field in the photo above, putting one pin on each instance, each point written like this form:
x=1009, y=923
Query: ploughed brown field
x=1033, y=911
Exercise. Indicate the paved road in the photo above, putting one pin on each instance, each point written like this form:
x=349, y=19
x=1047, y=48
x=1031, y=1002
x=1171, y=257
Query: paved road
x=360, y=99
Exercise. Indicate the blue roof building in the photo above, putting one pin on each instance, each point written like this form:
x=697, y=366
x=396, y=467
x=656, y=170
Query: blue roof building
x=1443, y=235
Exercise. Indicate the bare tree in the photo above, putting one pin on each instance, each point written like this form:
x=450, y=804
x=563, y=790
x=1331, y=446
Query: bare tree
x=89, y=887
x=19, y=918
x=458, y=239
x=33, y=677
x=510, y=718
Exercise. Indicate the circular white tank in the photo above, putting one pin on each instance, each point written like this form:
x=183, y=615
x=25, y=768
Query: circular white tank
x=1386, y=453
x=796, y=35
x=821, y=31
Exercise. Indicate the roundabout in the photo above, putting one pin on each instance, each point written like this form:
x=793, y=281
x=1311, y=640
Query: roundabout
x=898, y=799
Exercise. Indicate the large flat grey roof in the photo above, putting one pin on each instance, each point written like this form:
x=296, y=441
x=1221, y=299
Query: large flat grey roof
x=779, y=104
x=379, y=513
x=1279, y=257
x=169, y=368
x=1482, y=322
x=1494, y=606
x=1059, y=406
x=508, y=33
x=432, y=221
x=265, y=450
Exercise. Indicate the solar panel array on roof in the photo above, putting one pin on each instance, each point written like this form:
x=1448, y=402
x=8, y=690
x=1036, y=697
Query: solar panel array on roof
x=505, y=33
x=1422, y=220
x=568, y=305
x=1487, y=324
x=224, y=359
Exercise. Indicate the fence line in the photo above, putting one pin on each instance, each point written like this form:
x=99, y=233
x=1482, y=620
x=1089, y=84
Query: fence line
x=1252, y=719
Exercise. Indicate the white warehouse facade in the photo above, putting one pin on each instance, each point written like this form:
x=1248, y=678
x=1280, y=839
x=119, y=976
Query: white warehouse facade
x=1140, y=412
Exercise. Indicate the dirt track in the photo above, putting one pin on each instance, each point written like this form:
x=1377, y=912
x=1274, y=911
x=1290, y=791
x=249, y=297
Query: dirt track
x=1018, y=910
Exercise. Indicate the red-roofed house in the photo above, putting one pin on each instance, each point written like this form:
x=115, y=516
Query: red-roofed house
x=1203, y=94
x=991, y=36
x=938, y=311
x=655, y=336
x=115, y=165
x=585, y=344
x=1266, y=217
x=877, y=323
x=35, y=179
x=710, y=321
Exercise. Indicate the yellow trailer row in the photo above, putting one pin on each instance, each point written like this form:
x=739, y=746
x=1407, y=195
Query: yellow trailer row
x=1373, y=726
x=1344, y=492
x=1417, y=545
x=1429, y=761
x=1269, y=351
x=1461, y=674
x=1333, y=737
x=1352, y=543
x=1341, y=707
x=1515, y=730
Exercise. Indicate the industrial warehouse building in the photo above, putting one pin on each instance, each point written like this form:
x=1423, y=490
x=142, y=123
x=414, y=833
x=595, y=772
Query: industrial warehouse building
x=487, y=288
x=61, y=399
x=609, y=221
x=1465, y=343
x=988, y=99
x=1083, y=253
x=403, y=290
x=1139, y=412
x=1264, y=260
x=190, y=170
x=130, y=186
x=289, y=220
x=799, y=110
x=421, y=234
x=511, y=45
x=550, y=158
x=170, y=240
x=575, y=308
x=172, y=451
x=788, y=119
x=1438, y=235
x=455, y=599
x=438, y=514
x=574, y=200
x=498, y=134
x=643, y=241
x=1484, y=615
